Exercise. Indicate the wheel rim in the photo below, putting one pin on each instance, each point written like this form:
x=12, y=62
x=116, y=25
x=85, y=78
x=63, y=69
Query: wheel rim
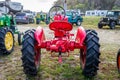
x=118, y=61
x=8, y=40
x=83, y=57
x=37, y=59
x=78, y=22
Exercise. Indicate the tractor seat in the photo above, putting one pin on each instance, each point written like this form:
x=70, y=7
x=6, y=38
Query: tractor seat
x=60, y=25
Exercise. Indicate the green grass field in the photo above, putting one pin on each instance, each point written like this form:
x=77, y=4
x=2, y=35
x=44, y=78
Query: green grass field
x=90, y=21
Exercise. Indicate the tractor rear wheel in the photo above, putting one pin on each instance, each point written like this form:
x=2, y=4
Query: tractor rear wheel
x=89, y=56
x=118, y=61
x=6, y=41
x=30, y=56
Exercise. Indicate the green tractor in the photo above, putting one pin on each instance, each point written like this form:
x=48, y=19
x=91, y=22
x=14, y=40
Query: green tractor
x=7, y=30
x=40, y=16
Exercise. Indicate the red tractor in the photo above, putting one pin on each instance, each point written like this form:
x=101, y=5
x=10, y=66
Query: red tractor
x=118, y=61
x=86, y=41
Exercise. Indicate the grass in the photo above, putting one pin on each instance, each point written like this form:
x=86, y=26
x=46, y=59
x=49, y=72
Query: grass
x=90, y=21
x=70, y=69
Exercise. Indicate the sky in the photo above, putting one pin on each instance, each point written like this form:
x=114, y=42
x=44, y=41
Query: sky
x=36, y=5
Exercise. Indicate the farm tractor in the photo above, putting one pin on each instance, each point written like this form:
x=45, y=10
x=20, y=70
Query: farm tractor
x=61, y=45
x=74, y=17
x=112, y=19
x=40, y=17
x=7, y=31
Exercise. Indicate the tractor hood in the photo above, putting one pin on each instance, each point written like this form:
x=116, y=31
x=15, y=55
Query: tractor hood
x=2, y=19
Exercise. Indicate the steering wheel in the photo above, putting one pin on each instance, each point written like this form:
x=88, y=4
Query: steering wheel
x=56, y=11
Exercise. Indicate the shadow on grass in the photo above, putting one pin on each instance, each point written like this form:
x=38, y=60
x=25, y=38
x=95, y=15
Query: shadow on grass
x=107, y=28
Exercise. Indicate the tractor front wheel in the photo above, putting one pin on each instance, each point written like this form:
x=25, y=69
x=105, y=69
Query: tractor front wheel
x=100, y=25
x=118, y=61
x=6, y=41
x=19, y=38
x=30, y=56
x=89, y=56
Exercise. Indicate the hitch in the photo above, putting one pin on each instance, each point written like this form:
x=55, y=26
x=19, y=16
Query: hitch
x=60, y=58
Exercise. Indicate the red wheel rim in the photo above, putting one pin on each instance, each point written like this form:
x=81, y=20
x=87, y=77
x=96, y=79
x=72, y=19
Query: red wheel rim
x=118, y=62
x=83, y=57
x=37, y=58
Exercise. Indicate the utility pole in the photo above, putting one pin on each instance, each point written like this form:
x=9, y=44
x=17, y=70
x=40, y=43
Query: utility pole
x=65, y=5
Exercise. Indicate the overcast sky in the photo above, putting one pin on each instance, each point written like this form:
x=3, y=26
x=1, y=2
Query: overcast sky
x=36, y=5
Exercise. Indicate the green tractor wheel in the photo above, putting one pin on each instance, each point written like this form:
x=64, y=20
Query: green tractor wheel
x=6, y=41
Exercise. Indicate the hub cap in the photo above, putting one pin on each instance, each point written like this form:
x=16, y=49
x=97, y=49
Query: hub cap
x=8, y=40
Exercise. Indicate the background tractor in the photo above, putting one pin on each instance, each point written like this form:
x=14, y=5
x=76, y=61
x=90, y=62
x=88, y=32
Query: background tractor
x=61, y=45
x=40, y=16
x=74, y=17
x=7, y=30
x=112, y=19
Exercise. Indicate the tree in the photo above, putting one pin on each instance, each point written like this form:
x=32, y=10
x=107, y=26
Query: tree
x=90, y=4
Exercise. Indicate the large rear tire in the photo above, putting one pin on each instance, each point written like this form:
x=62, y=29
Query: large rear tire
x=30, y=56
x=6, y=41
x=118, y=61
x=89, y=56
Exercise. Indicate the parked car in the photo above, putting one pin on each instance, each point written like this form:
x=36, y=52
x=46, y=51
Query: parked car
x=112, y=19
x=23, y=17
x=74, y=17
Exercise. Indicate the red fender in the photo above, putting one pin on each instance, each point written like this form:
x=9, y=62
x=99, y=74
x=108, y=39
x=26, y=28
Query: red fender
x=80, y=37
x=39, y=35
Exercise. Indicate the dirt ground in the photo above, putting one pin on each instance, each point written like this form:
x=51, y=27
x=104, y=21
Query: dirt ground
x=11, y=69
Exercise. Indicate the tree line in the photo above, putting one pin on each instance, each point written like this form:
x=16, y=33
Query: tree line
x=84, y=5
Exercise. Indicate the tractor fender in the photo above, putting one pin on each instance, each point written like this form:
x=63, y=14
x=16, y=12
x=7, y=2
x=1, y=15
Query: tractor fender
x=80, y=36
x=39, y=35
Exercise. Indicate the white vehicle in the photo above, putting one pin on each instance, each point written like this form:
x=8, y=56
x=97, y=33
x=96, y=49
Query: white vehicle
x=96, y=13
x=8, y=6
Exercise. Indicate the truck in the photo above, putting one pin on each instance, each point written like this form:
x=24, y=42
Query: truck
x=74, y=17
x=112, y=19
